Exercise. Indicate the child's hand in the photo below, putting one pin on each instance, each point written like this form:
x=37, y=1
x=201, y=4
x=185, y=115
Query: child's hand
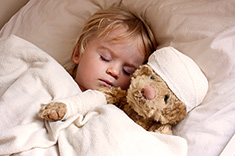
x=53, y=111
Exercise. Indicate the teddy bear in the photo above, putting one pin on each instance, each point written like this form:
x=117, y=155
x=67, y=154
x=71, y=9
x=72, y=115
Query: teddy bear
x=149, y=102
x=160, y=95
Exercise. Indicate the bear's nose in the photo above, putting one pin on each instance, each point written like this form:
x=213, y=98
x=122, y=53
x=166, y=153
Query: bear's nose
x=148, y=92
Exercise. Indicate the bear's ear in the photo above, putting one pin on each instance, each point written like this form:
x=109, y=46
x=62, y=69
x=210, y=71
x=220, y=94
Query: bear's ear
x=143, y=70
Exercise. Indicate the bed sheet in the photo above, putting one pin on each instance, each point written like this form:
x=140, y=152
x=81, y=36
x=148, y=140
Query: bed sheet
x=29, y=77
x=203, y=30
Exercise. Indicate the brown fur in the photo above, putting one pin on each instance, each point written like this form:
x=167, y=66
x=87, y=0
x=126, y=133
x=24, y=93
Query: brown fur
x=53, y=111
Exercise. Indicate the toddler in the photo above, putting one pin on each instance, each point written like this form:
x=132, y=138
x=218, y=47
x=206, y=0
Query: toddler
x=112, y=45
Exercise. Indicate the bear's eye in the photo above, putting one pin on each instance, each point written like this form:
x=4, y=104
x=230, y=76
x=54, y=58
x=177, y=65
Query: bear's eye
x=166, y=98
x=152, y=77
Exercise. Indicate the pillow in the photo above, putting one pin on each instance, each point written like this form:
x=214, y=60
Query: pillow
x=193, y=27
x=54, y=26
x=203, y=30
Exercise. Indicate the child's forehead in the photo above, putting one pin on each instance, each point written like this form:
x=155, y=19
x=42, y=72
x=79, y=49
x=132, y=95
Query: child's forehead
x=121, y=35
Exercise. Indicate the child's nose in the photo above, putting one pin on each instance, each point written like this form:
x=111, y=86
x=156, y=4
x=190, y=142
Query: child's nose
x=113, y=71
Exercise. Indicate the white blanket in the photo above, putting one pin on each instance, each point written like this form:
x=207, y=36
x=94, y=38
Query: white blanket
x=29, y=77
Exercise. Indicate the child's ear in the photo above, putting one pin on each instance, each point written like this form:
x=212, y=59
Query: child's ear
x=76, y=57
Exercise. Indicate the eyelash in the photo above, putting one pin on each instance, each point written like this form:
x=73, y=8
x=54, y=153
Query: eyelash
x=126, y=73
x=107, y=60
x=104, y=59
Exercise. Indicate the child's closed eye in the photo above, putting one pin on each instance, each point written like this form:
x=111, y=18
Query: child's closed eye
x=105, y=58
x=128, y=70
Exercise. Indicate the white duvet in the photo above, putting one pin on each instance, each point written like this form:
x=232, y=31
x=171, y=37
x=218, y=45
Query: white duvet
x=203, y=30
x=29, y=77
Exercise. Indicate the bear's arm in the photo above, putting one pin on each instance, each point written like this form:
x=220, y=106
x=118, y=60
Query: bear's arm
x=80, y=103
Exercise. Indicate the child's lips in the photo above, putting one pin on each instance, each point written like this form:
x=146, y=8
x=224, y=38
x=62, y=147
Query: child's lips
x=106, y=83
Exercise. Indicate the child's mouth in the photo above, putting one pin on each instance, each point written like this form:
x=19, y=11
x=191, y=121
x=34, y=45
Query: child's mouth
x=106, y=83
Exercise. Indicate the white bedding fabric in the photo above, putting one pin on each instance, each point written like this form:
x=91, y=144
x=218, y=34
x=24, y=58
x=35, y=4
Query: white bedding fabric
x=204, y=30
x=29, y=77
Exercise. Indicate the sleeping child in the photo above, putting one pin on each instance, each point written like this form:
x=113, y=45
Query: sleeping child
x=111, y=46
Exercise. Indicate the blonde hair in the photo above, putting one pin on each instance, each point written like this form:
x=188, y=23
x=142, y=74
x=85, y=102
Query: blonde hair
x=104, y=21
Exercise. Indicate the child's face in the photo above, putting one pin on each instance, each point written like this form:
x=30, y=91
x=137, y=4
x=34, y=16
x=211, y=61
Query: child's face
x=108, y=63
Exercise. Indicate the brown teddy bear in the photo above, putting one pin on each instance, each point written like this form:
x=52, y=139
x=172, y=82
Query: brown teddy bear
x=149, y=102
x=160, y=94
